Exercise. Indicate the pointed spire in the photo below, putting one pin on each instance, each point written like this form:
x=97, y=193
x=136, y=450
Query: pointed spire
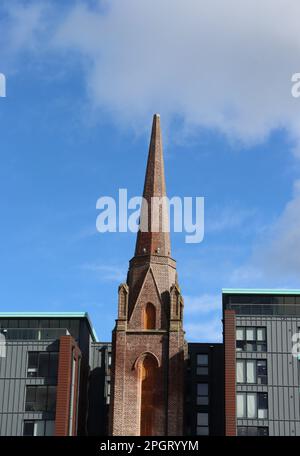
x=156, y=240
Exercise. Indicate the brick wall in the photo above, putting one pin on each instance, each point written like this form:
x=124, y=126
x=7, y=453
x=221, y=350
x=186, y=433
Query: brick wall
x=230, y=372
x=67, y=349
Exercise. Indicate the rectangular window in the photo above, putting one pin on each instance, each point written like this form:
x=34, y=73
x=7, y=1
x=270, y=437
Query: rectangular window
x=38, y=428
x=108, y=392
x=240, y=405
x=251, y=339
x=240, y=371
x=42, y=364
x=28, y=428
x=262, y=373
x=202, y=364
x=252, y=405
x=251, y=371
x=262, y=399
x=40, y=398
x=202, y=394
x=202, y=424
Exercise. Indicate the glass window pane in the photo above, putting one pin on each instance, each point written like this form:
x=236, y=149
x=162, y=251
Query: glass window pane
x=240, y=345
x=262, y=431
x=251, y=405
x=251, y=371
x=28, y=428
x=262, y=413
x=241, y=405
x=202, y=430
x=250, y=334
x=39, y=428
x=263, y=400
x=261, y=347
x=202, y=360
x=251, y=346
x=240, y=376
x=240, y=334
x=43, y=364
x=262, y=366
x=202, y=370
x=53, y=365
x=202, y=389
x=41, y=398
x=202, y=419
x=252, y=431
x=49, y=427
x=261, y=333
x=202, y=400
x=32, y=359
x=30, y=393
x=241, y=430
x=51, y=398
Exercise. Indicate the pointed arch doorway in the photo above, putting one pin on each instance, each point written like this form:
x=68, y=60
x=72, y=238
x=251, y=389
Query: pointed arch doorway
x=148, y=371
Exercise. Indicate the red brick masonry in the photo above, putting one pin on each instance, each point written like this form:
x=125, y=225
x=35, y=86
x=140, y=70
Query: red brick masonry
x=230, y=372
x=67, y=349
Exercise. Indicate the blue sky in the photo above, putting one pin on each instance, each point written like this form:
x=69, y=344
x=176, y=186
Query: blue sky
x=83, y=81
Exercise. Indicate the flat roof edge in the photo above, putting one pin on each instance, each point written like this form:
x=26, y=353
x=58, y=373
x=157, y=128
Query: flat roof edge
x=273, y=291
x=52, y=315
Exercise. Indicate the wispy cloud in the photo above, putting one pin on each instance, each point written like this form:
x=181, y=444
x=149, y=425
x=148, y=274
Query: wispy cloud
x=24, y=24
x=202, y=304
x=106, y=273
x=276, y=258
x=229, y=218
x=84, y=233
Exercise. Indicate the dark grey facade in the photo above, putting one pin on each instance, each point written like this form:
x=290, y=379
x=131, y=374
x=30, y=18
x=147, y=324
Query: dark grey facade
x=204, y=395
x=15, y=412
x=267, y=369
x=29, y=354
x=99, y=389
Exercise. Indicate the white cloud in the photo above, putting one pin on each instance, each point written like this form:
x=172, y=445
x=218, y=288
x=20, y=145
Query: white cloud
x=202, y=304
x=224, y=65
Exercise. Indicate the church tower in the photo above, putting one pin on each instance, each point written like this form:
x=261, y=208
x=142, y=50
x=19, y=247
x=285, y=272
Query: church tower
x=149, y=348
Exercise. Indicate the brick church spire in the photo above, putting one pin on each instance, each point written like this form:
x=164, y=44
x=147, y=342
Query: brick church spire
x=148, y=344
x=154, y=238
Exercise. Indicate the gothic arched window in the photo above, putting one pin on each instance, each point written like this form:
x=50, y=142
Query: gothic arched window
x=148, y=376
x=149, y=316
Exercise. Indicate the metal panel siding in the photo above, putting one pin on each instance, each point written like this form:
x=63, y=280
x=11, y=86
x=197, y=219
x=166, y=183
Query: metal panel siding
x=13, y=381
x=283, y=374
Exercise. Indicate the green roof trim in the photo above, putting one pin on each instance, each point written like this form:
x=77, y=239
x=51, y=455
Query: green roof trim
x=258, y=291
x=52, y=315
